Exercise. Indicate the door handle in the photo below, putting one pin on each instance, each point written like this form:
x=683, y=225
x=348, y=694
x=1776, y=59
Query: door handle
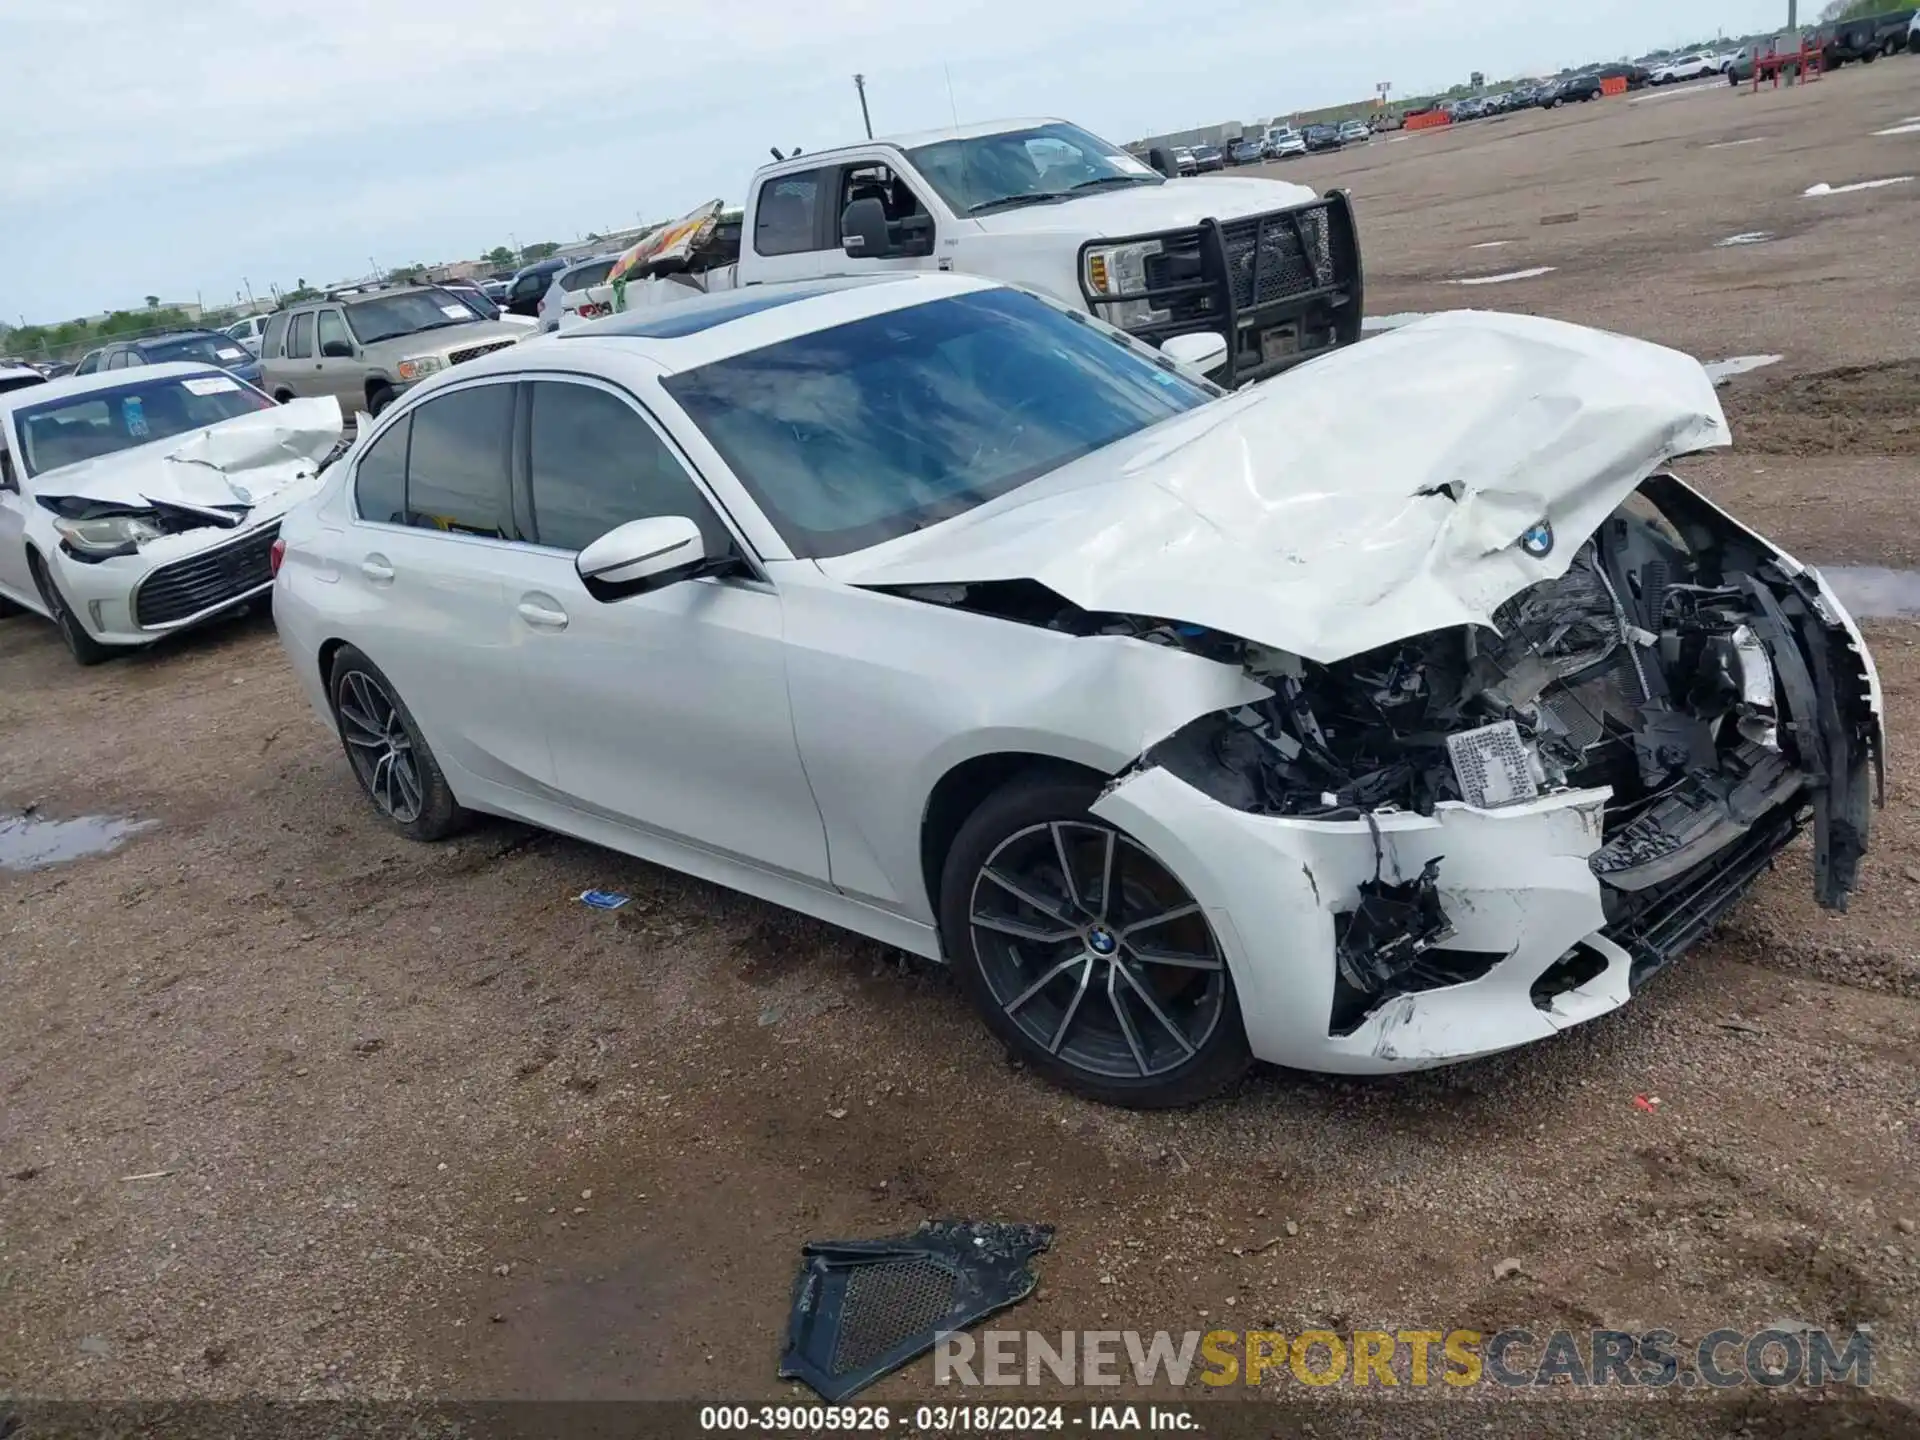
x=542, y=613
x=376, y=569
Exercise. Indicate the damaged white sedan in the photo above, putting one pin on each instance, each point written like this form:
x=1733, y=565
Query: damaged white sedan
x=134, y=503
x=1394, y=711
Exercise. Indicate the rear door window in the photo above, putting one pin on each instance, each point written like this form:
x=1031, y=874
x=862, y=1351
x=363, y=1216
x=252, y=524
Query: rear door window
x=784, y=219
x=275, y=333
x=300, y=337
x=380, y=484
x=457, y=462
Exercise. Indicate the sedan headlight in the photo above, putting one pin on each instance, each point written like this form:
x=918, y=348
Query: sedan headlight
x=418, y=367
x=1120, y=270
x=108, y=534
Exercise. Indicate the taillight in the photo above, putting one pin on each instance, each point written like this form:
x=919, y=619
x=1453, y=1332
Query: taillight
x=276, y=555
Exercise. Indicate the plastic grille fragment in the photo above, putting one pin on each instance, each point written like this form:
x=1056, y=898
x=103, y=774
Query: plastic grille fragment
x=864, y=1308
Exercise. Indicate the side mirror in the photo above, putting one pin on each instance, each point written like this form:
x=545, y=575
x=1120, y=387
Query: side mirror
x=336, y=350
x=1205, y=351
x=1163, y=161
x=643, y=555
x=863, y=230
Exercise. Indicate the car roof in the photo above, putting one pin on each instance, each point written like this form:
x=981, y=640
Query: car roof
x=701, y=329
x=174, y=335
x=70, y=386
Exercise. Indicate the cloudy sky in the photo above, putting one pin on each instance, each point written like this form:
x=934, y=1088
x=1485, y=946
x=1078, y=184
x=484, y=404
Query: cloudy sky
x=187, y=149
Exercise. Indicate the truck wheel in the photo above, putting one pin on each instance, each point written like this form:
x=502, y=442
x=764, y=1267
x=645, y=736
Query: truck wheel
x=379, y=397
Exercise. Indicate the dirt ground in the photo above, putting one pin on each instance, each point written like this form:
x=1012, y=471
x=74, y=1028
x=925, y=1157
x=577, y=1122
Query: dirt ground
x=291, y=1107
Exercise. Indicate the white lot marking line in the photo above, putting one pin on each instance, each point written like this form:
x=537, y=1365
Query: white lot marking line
x=1905, y=127
x=1689, y=90
x=1825, y=189
x=1747, y=237
x=1491, y=244
x=1503, y=279
x=1729, y=144
x=1718, y=370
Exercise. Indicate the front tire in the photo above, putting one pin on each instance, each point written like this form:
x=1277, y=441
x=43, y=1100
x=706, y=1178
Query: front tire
x=1084, y=954
x=83, y=647
x=379, y=397
x=388, y=754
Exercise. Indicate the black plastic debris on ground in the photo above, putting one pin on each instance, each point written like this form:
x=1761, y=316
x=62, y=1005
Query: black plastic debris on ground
x=864, y=1308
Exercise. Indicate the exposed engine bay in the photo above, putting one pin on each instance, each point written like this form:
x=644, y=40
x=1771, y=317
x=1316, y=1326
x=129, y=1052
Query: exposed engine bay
x=1676, y=663
x=1679, y=664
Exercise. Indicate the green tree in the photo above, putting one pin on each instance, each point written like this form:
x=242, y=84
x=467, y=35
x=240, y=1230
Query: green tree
x=153, y=302
x=499, y=257
x=540, y=251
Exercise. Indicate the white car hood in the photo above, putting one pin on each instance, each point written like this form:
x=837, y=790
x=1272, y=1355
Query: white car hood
x=1142, y=209
x=243, y=461
x=1375, y=494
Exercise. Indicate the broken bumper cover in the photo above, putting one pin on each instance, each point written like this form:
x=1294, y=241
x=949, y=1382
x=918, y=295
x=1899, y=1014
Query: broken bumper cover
x=1516, y=887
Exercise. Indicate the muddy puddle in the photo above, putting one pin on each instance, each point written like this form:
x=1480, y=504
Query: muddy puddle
x=34, y=842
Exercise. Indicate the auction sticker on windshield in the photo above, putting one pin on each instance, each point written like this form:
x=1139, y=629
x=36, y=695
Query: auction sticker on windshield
x=210, y=385
x=453, y=312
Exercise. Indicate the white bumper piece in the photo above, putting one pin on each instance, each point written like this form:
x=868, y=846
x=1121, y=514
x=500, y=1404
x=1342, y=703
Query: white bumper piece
x=1513, y=882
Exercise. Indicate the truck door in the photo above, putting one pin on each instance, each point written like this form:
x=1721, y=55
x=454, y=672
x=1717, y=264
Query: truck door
x=790, y=238
x=906, y=209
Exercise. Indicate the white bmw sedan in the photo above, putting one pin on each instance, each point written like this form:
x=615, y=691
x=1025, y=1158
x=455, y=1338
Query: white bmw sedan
x=1391, y=712
x=134, y=503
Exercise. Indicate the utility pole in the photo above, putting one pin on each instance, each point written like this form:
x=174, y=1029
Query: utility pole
x=860, y=84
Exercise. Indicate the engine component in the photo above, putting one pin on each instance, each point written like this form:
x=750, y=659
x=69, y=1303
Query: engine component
x=1493, y=766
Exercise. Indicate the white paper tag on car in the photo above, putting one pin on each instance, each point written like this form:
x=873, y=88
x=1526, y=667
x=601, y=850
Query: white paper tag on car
x=1129, y=165
x=455, y=312
x=231, y=354
x=209, y=384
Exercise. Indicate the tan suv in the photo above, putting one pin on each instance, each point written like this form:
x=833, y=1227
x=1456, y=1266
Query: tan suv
x=366, y=346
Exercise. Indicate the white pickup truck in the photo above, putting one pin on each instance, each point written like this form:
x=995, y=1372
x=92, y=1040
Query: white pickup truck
x=1268, y=266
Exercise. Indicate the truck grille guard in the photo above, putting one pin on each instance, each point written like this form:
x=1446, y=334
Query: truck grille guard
x=1242, y=277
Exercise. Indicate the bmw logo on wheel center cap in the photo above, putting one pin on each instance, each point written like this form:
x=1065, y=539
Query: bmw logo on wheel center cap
x=1101, y=941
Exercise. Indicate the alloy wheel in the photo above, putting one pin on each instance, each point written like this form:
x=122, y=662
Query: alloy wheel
x=1095, y=951
x=379, y=746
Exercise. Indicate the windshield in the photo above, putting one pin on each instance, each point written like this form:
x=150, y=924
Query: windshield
x=1025, y=167
x=104, y=422
x=208, y=349
x=855, y=435
x=385, y=316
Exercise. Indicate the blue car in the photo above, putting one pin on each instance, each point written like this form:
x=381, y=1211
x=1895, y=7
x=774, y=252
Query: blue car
x=206, y=346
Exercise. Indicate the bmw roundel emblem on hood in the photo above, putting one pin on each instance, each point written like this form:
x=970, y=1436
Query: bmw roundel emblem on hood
x=1537, y=541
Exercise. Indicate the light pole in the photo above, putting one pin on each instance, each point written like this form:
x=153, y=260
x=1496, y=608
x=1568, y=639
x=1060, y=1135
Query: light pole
x=860, y=84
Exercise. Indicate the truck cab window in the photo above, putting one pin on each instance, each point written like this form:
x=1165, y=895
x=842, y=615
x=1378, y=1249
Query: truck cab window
x=785, y=215
x=878, y=182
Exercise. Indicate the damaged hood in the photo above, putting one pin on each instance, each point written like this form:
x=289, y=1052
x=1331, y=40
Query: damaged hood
x=1381, y=492
x=243, y=461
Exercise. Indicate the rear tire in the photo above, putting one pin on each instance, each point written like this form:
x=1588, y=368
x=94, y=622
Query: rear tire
x=388, y=753
x=1137, y=971
x=83, y=647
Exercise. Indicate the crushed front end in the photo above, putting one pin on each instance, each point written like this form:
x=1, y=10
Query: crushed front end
x=1475, y=837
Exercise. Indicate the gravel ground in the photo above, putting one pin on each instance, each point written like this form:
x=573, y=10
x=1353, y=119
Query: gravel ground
x=289, y=1107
